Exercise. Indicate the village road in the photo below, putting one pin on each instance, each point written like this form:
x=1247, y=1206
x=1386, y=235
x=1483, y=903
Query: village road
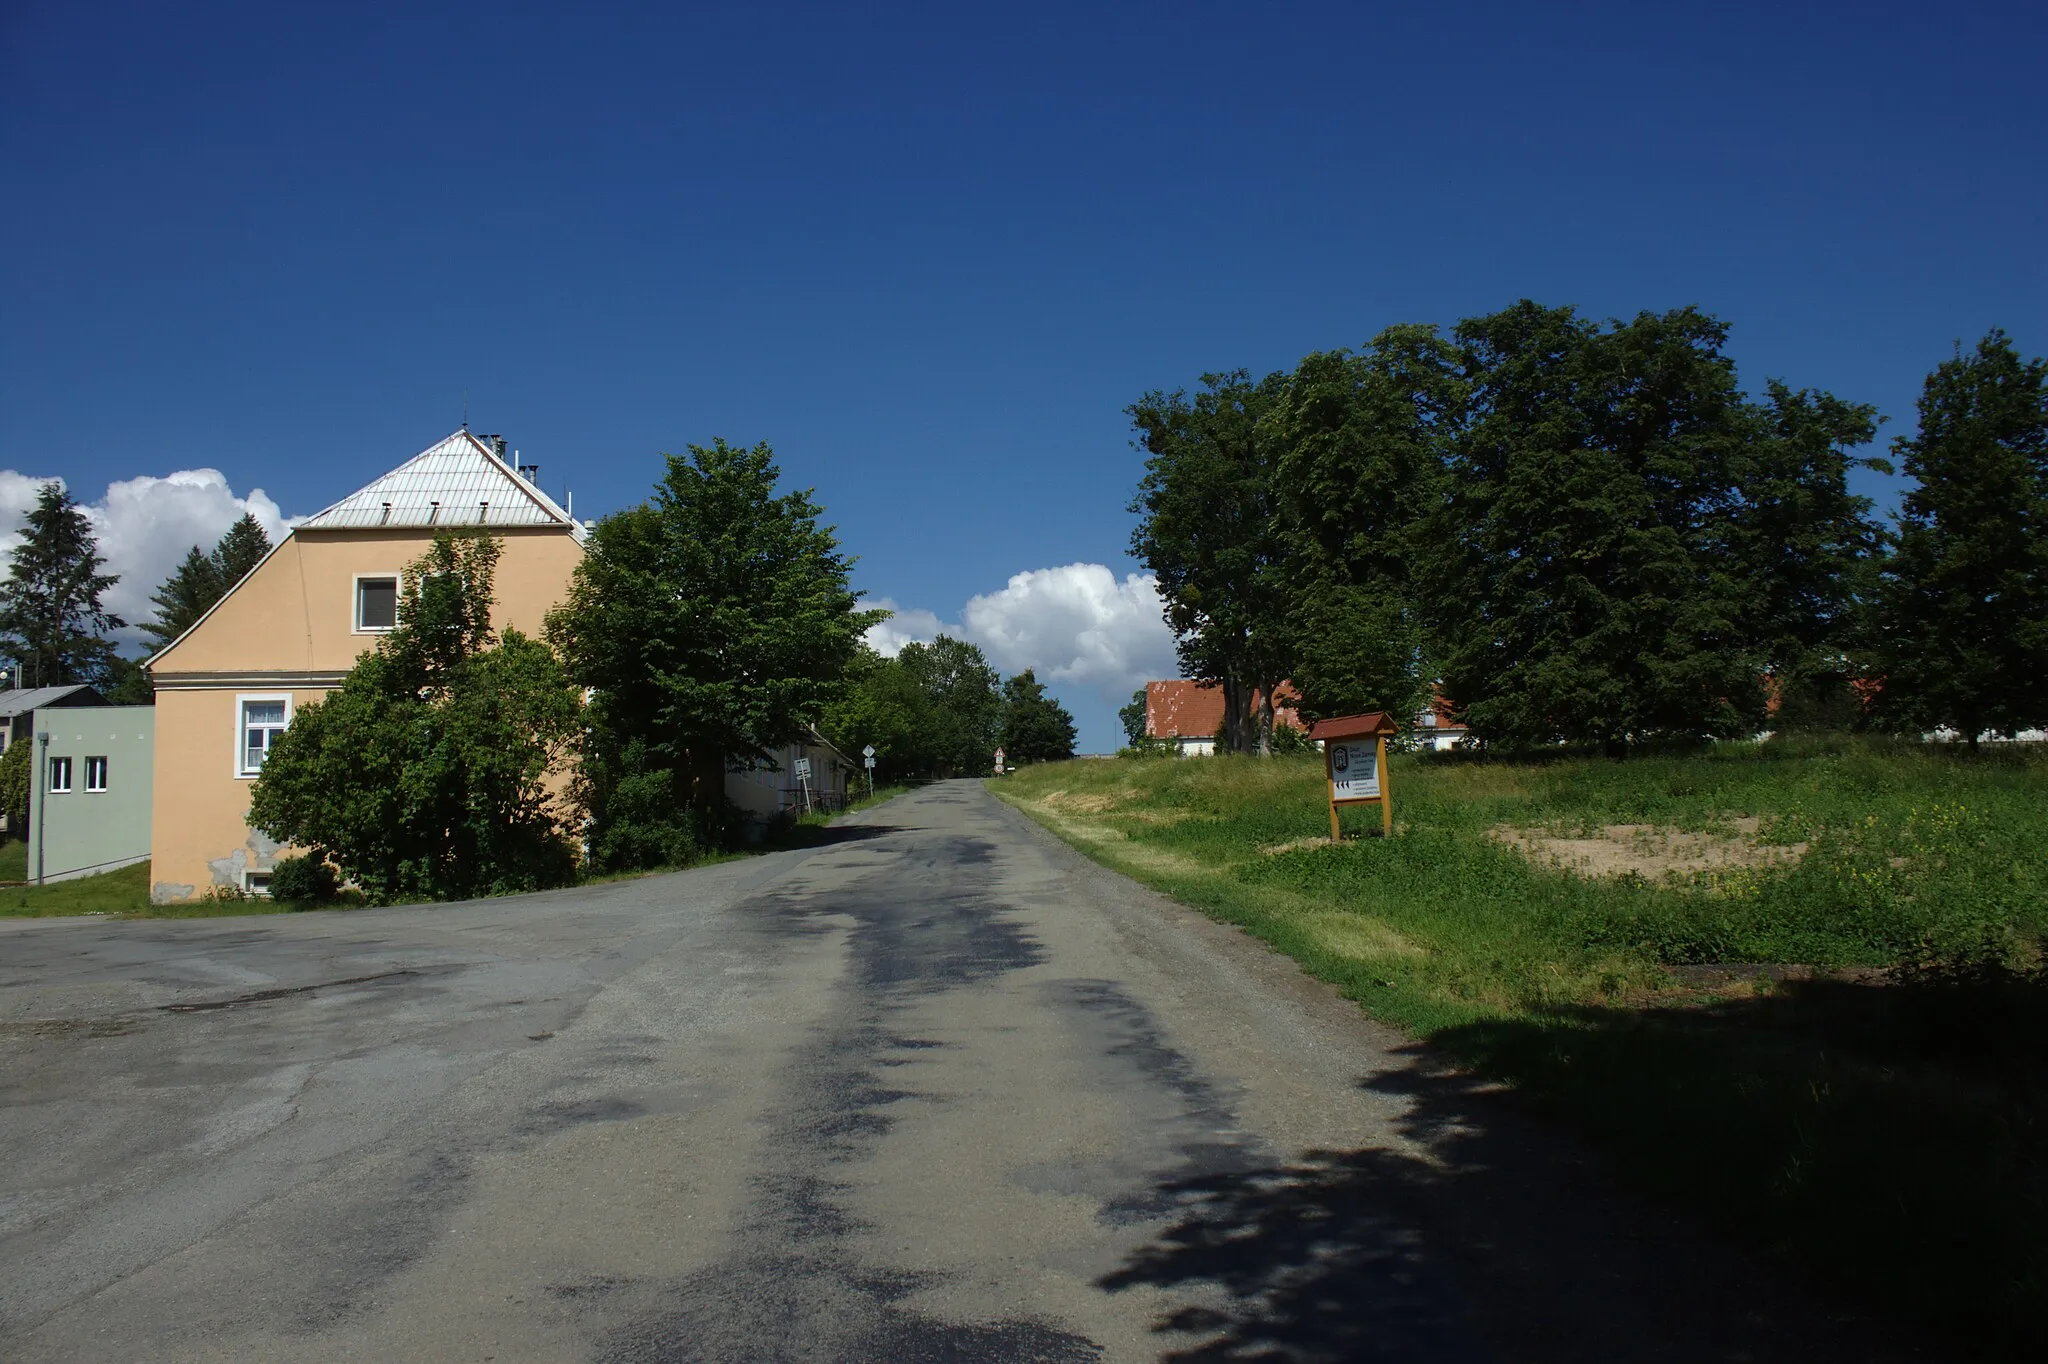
x=935, y=1090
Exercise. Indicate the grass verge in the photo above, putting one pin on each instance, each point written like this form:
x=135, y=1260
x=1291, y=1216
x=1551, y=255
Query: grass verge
x=1834, y=1046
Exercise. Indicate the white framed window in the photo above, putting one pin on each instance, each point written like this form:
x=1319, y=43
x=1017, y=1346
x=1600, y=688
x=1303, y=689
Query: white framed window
x=95, y=774
x=60, y=776
x=256, y=883
x=376, y=610
x=258, y=722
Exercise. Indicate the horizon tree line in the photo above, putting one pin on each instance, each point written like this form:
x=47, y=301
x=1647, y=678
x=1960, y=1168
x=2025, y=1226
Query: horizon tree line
x=1588, y=532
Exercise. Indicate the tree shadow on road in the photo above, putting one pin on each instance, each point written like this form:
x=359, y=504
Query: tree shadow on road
x=1489, y=1238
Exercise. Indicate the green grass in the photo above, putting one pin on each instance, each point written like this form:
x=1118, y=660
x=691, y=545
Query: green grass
x=1884, y=1119
x=124, y=893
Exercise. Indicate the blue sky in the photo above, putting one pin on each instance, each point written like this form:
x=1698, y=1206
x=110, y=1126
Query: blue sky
x=930, y=252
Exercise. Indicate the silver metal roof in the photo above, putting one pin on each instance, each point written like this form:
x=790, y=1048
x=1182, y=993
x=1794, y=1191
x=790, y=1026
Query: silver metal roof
x=21, y=700
x=459, y=482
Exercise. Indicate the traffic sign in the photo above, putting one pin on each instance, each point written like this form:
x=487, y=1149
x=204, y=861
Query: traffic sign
x=868, y=752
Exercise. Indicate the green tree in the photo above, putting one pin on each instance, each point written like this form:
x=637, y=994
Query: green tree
x=1363, y=442
x=1210, y=535
x=1962, y=636
x=1807, y=549
x=17, y=778
x=189, y=593
x=1587, y=583
x=1036, y=728
x=425, y=774
x=962, y=705
x=715, y=623
x=1132, y=717
x=881, y=705
x=51, y=620
x=240, y=548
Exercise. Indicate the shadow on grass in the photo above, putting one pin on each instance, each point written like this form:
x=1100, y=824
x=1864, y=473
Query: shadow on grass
x=1880, y=1150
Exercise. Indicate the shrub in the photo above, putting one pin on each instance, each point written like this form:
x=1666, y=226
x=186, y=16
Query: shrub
x=306, y=879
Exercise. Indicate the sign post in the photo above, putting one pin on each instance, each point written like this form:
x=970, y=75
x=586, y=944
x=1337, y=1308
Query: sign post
x=803, y=776
x=999, y=762
x=868, y=756
x=1355, y=765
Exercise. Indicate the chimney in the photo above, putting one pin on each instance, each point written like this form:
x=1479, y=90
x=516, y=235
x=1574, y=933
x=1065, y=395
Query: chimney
x=497, y=443
x=531, y=473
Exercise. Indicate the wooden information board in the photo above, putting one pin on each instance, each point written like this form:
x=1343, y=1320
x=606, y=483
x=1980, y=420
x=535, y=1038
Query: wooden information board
x=1355, y=764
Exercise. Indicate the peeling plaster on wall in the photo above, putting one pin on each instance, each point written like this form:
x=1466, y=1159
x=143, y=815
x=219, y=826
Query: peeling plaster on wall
x=169, y=892
x=256, y=855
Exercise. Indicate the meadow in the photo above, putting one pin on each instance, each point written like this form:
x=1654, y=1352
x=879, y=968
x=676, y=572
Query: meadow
x=1796, y=986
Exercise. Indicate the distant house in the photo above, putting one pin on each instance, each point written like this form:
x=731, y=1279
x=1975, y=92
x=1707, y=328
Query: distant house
x=89, y=800
x=18, y=708
x=288, y=633
x=768, y=793
x=1189, y=713
x=1436, y=728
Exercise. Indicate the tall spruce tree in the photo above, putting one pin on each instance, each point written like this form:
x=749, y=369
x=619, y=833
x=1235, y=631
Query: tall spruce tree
x=201, y=580
x=51, y=620
x=1210, y=534
x=1962, y=637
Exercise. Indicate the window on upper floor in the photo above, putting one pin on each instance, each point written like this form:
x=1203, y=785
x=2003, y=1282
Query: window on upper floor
x=60, y=775
x=263, y=718
x=95, y=774
x=376, y=604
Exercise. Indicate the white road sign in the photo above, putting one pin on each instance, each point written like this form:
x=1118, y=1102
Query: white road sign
x=868, y=752
x=1354, y=770
x=870, y=762
x=803, y=767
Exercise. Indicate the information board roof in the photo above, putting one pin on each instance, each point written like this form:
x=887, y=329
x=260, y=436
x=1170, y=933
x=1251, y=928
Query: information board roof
x=1366, y=726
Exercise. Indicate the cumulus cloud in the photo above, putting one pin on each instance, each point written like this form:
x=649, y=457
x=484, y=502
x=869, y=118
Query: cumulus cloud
x=1076, y=624
x=905, y=625
x=145, y=525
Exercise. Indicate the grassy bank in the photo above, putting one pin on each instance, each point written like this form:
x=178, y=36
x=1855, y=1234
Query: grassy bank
x=1794, y=987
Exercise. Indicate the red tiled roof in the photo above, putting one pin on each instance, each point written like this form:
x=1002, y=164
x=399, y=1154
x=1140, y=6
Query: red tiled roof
x=1192, y=710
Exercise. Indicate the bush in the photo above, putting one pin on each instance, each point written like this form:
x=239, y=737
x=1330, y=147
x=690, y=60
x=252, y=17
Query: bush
x=305, y=880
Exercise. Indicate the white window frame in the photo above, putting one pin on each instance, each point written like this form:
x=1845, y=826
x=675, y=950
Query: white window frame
x=249, y=886
x=355, y=602
x=242, y=700
x=90, y=789
x=50, y=776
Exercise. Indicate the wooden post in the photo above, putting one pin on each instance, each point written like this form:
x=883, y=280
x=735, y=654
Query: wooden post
x=1329, y=791
x=1386, y=792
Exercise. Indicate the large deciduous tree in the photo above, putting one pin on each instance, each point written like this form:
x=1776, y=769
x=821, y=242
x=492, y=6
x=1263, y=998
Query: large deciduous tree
x=1210, y=534
x=1588, y=583
x=963, y=704
x=51, y=620
x=426, y=773
x=1036, y=728
x=1962, y=636
x=714, y=623
x=1363, y=440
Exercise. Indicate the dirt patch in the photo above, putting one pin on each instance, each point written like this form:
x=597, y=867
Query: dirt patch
x=1085, y=802
x=1652, y=851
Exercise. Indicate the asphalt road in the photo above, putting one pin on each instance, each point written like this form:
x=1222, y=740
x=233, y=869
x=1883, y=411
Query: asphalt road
x=936, y=1090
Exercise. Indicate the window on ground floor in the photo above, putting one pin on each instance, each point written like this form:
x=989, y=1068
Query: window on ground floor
x=263, y=718
x=60, y=775
x=95, y=774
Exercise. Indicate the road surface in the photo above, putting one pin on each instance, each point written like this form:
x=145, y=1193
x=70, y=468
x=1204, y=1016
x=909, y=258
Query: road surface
x=935, y=1090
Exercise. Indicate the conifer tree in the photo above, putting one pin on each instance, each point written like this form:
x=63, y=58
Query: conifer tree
x=51, y=620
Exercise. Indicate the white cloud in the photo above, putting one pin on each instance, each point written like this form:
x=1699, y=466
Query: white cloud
x=1076, y=624
x=145, y=525
x=905, y=626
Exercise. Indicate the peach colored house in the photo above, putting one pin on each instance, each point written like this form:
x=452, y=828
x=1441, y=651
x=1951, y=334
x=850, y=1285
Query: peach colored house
x=288, y=632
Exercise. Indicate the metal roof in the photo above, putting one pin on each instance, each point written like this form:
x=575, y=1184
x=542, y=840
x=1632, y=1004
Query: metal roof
x=459, y=482
x=22, y=700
